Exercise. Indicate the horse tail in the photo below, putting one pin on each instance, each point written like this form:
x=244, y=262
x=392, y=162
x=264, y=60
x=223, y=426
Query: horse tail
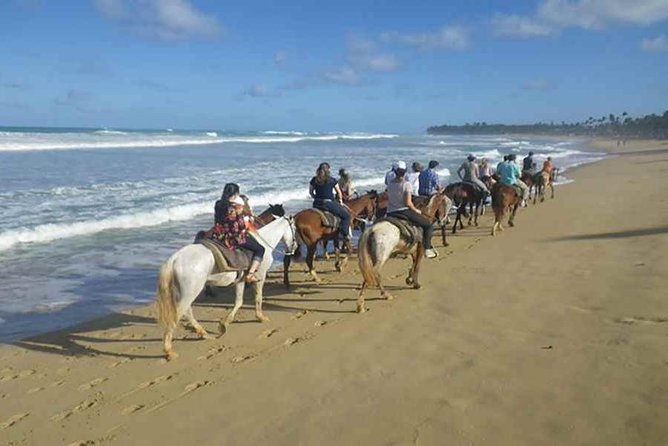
x=166, y=295
x=365, y=254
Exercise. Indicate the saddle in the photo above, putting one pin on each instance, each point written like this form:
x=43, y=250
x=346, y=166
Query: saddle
x=328, y=219
x=227, y=259
x=475, y=186
x=407, y=230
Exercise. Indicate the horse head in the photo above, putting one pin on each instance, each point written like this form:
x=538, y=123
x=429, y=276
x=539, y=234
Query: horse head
x=277, y=210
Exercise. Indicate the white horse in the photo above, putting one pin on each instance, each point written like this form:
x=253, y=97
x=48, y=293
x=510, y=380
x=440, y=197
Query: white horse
x=382, y=240
x=188, y=270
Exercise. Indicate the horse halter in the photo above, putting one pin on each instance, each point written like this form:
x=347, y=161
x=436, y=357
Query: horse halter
x=293, y=248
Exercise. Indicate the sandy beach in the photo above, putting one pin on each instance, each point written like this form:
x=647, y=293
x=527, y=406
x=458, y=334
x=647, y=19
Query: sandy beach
x=553, y=332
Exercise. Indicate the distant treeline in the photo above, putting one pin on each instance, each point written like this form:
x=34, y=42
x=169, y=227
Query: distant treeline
x=623, y=126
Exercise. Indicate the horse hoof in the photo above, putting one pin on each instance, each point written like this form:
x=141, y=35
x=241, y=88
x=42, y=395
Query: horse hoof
x=204, y=336
x=388, y=296
x=170, y=356
x=417, y=286
x=262, y=318
x=361, y=309
x=337, y=267
x=409, y=281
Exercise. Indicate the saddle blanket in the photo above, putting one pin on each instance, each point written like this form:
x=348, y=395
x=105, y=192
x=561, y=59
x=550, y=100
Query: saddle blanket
x=407, y=230
x=328, y=219
x=227, y=259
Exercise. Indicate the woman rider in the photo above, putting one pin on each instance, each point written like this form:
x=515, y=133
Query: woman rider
x=346, y=185
x=400, y=203
x=231, y=227
x=322, y=188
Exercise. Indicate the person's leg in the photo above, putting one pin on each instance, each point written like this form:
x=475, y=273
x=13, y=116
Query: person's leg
x=424, y=223
x=258, y=254
x=524, y=187
x=481, y=185
x=341, y=212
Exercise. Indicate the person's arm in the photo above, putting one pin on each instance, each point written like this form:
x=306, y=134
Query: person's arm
x=339, y=195
x=408, y=199
x=311, y=190
x=459, y=172
x=436, y=182
x=476, y=171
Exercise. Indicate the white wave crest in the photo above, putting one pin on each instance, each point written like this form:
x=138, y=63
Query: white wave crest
x=277, y=132
x=110, y=132
x=214, y=134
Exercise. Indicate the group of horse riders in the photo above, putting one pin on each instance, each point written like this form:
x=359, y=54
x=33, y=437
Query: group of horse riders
x=234, y=218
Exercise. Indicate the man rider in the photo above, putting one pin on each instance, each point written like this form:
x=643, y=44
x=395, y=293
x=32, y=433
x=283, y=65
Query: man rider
x=471, y=173
x=509, y=174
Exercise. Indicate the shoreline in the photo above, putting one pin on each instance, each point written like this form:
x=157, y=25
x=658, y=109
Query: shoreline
x=563, y=342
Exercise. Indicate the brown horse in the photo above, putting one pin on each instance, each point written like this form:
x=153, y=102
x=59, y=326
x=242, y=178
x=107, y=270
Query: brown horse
x=440, y=217
x=504, y=197
x=530, y=180
x=310, y=231
x=543, y=180
x=382, y=240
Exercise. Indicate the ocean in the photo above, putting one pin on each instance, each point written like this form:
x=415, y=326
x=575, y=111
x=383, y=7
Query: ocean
x=88, y=215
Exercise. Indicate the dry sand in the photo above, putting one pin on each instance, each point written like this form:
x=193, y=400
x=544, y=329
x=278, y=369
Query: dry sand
x=554, y=332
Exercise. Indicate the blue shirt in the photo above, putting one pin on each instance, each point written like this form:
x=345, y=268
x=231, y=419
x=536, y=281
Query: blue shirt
x=509, y=173
x=323, y=191
x=428, y=182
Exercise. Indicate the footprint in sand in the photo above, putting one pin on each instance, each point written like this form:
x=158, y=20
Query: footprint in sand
x=117, y=363
x=13, y=420
x=84, y=405
x=154, y=381
x=93, y=383
x=300, y=314
x=35, y=390
x=132, y=409
x=243, y=358
x=268, y=333
x=320, y=323
x=20, y=375
x=212, y=352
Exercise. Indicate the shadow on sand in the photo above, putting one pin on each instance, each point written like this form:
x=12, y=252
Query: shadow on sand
x=614, y=235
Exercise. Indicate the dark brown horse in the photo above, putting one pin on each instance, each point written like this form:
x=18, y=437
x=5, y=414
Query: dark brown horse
x=267, y=216
x=504, y=197
x=310, y=231
x=530, y=180
x=464, y=194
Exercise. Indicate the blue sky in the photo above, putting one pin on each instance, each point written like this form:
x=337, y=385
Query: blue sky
x=342, y=65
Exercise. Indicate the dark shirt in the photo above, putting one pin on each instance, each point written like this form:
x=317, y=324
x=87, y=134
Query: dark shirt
x=527, y=163
x=324, y=191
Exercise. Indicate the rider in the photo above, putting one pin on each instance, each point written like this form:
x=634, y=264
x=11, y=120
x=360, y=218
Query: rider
x=389, y=175
x=346, y=185
x=322, y=188
x=230, y=227
x=471, y=173
x=414, y=177
x=527, y=162
x=498, y=166
x=548, y=166
x=509, y=174
x=429, y=182
x=400, y=203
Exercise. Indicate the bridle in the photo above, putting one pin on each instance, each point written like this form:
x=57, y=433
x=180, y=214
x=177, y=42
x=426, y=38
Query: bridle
x=293, y=230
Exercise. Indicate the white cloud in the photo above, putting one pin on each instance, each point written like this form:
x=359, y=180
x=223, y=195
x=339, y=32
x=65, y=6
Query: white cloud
x=363, y=54
x=344, y=75
x=163, y=19
x=554, y=15
x=538, y=85
x=658, y=44
x=259, y=91
x=280, y=57
x=447, y=38
x=519, y=26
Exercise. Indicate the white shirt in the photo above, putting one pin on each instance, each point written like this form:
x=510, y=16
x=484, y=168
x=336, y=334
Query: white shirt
x=414, y=179
x=389, y=177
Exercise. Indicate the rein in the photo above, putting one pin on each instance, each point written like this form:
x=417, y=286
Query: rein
x=274, y=248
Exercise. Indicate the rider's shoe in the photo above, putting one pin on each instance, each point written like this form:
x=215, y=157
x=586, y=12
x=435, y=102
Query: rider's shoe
x=430, y=253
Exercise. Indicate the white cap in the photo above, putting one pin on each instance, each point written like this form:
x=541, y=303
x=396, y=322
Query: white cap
x=400, y=165
x=395, y=164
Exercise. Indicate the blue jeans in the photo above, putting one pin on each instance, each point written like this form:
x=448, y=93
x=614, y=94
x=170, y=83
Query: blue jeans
x=335, y=208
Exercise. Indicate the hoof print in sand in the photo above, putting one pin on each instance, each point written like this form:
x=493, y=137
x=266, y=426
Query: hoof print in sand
x=91, y=384
x=13, y=420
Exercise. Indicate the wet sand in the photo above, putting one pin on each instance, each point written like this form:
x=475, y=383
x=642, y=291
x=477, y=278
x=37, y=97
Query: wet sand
x=553, y=332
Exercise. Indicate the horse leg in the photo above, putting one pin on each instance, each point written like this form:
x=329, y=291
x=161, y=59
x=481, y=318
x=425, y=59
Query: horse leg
x=167, y=337
x=477, y=207
x=415, y=268
x=310, y=256
x=337, y=256
x=360, y=298
x=443, y=232
x=259, y=286
x=325, y=253
x=349, y=249
x=471, y=216
x=238, y=301
x=384, y=293
x=201, y=332
x=511, y=220
x=552, y=189
x=286, y=270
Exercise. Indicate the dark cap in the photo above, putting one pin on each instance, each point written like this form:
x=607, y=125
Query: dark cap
x=433, y=163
